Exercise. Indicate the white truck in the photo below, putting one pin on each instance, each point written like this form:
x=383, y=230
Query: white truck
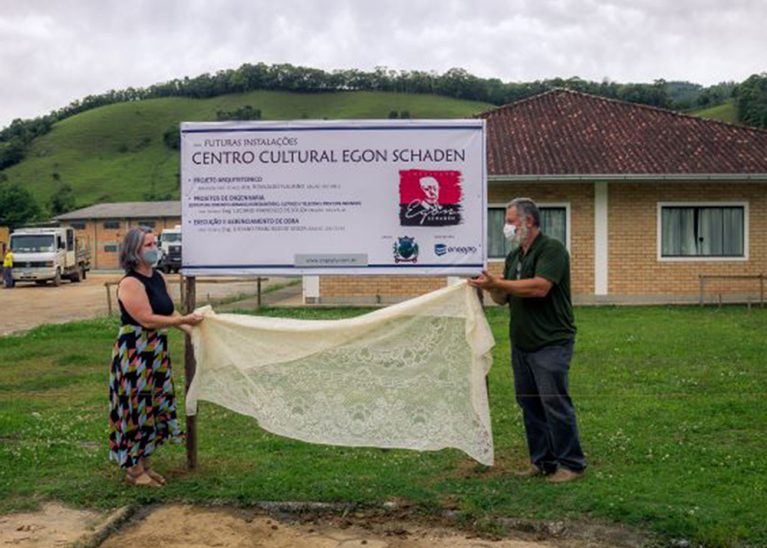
x=49, y=254
x=169, y=244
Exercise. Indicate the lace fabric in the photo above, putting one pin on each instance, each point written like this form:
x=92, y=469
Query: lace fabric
x=410, y=376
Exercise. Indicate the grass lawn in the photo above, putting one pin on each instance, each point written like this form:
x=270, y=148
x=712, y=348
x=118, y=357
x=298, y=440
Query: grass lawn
x=671, y=406
x=726, y=112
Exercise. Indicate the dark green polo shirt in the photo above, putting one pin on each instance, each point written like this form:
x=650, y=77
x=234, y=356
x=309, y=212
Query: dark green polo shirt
x=539, y=322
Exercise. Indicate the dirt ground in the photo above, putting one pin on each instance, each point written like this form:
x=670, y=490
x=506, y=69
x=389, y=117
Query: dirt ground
x=188, y=526
x=28, y=305
x=53, y=525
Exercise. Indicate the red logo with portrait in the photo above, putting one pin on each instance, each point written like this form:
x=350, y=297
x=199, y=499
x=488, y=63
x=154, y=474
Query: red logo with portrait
x=430, y=197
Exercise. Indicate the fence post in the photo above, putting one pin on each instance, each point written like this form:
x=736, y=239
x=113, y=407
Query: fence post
x=258, y=301
x=190, y=365
x=109, y=299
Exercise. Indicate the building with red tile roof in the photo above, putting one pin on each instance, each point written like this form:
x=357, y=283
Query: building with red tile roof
x=646, y=199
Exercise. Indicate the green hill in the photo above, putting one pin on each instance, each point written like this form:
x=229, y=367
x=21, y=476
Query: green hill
x=116, y=153
x=724, y=112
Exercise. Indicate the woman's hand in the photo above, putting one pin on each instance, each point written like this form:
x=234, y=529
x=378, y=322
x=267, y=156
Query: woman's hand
x=192, y=319
x=186, y=322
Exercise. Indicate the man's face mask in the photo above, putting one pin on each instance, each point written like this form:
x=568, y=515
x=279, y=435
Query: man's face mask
x=509, y=231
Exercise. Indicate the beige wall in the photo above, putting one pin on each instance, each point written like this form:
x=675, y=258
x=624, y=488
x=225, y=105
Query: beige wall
x=633, y=253
x=375, y=289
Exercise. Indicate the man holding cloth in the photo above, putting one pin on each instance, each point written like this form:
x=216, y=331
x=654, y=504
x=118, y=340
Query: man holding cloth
x=536, y=284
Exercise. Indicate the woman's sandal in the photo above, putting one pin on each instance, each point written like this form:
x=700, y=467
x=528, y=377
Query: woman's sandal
x=155, y=476
x=142, y=480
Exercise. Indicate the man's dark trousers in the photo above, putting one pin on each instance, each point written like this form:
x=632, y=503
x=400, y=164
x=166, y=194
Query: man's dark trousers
x=540, y=381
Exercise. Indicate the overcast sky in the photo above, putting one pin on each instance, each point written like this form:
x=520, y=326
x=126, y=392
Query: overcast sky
x=55, y=51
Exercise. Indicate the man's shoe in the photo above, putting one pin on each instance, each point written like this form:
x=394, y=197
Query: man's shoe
x=531, y=471
x=563, y=475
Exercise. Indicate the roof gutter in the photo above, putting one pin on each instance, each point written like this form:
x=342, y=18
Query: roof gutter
x=73, y=216
x=631, y=178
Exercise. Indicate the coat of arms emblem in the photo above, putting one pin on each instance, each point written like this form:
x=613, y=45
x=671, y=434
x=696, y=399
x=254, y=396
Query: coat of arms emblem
x=405, y=250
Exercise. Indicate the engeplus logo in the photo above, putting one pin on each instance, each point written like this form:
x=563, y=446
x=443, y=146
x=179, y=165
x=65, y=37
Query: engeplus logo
x=444, y=249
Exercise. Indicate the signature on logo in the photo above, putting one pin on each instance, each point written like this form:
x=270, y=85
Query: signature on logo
x=431, y=214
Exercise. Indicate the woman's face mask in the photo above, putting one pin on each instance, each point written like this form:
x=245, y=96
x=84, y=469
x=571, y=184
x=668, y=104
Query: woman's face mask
x=151, y=256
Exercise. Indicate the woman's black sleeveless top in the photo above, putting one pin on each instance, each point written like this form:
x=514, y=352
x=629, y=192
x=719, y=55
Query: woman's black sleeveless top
x=157, y=292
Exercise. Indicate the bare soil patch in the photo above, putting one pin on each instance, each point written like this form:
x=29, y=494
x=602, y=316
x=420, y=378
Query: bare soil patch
x=52, y=525
x=183, y=525
x=190, y=526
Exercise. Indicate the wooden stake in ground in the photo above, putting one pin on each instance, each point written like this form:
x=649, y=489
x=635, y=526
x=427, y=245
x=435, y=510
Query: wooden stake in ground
x=481, y=297
x=190, y=365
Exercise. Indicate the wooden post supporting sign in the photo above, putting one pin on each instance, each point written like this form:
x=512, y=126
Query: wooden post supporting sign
x=190, y=365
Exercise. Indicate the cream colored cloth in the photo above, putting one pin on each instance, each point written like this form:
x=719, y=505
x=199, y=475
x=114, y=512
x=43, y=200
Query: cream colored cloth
x=409, y=376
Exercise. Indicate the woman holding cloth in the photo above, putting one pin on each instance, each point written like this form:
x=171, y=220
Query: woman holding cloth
x=142, y=405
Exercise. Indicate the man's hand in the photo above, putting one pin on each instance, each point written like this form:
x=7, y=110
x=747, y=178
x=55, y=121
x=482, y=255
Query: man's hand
x=484, y=281
x=492, y=284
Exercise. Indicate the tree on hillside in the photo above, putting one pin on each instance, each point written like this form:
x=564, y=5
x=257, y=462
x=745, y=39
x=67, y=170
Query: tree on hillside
x=751, y=101
x=11, y=152
x=17, y=206
x=716, y=94
x=243, y=113
x=63, y=200
x=15, y=138
x=172, y=137
x=685, y=95
x=654, y=95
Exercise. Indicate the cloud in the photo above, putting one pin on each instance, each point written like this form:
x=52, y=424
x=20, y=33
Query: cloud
x=54, y=51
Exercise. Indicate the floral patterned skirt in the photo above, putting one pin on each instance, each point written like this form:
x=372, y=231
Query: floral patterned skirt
x=142, y=404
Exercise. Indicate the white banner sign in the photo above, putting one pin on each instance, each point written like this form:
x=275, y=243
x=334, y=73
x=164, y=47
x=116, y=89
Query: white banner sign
x=342, y=197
